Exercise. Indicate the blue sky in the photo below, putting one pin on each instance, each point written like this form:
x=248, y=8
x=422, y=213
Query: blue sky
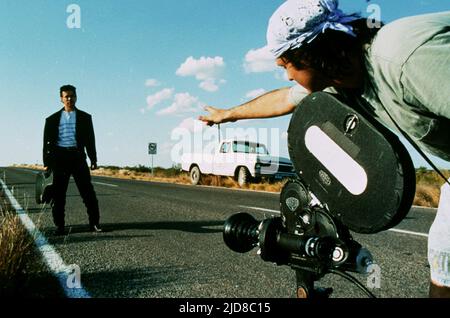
x=144, y=70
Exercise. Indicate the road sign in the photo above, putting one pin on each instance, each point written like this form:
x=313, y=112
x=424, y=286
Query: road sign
x=152, y=147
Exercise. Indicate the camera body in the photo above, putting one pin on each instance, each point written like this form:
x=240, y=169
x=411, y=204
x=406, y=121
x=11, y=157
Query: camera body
x=305, y=237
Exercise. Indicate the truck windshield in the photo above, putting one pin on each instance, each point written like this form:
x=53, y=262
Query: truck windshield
x=249, y=147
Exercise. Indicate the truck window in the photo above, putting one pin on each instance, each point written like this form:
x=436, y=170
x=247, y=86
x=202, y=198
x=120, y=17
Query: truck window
x=225, y=147
x=238, y=147
x=261, y=149
x=249, y=147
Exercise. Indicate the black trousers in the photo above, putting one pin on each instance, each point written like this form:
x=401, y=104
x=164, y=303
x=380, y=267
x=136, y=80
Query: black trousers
x=72, y=163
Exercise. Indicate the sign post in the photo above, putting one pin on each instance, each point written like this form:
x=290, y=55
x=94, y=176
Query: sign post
x=152, y=150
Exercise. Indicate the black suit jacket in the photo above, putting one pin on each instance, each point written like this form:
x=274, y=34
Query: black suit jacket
x=84, y=135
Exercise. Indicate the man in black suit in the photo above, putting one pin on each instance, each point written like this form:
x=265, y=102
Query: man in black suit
x=67, y=134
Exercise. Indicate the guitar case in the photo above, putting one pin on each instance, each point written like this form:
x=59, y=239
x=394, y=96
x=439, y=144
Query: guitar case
x=356, y=167
x=44, y=187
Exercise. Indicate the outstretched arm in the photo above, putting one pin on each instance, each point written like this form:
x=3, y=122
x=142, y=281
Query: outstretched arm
x=272, y=104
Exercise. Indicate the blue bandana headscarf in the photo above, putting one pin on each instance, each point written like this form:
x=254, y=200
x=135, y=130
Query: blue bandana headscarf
x=298, y=21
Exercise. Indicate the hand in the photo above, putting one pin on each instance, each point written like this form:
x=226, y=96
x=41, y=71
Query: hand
x=47, y=171
x=94, y=166
x=216, y=116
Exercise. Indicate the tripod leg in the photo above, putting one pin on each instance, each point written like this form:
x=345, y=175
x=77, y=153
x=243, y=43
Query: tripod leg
x=305, y=284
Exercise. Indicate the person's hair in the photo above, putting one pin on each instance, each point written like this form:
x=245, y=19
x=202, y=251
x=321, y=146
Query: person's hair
x=67, y=88
x=331, y=52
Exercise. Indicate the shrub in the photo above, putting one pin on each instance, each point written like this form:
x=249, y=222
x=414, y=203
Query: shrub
x=15, y=246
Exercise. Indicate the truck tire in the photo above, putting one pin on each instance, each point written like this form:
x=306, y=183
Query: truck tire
x=195, y=175
x=243, y=176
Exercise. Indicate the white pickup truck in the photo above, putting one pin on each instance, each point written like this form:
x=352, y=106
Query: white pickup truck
x=243, y=160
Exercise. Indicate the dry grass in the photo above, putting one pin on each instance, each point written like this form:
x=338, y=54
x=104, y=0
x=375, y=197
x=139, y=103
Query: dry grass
x=23, y=273
x=427, y=196
x=228, y=182
x=428, y=187
x=15, y=247
x=428, y=183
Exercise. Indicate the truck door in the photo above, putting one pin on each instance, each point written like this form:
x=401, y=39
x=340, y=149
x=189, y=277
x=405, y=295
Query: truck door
x=221, y=160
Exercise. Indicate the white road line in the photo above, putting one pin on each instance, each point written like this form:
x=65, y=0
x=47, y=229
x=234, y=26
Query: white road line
x=409, y=232
x=392, y=230
x=106, y=184
x=63, y=272
x=259, y=209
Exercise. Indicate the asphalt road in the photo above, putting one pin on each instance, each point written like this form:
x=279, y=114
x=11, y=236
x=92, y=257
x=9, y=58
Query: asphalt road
x=165, y=240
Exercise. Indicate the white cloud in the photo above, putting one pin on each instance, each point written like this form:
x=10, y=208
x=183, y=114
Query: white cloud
x=158, y=97
x=151, y=82
x=191, y=124
x=183, y=103
x=255, y=93
x=206, y=69
x=259, y=61
x=281, y=75
x=203, y=68
x=209, y=85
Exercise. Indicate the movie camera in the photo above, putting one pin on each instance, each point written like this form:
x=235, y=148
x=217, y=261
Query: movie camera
x=353, y=174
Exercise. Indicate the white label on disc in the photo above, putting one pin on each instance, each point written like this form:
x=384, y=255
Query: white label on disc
x=344, y=168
